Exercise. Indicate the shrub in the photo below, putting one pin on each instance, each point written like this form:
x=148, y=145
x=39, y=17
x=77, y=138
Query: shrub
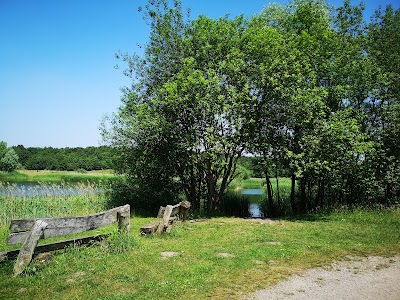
x=142, y=200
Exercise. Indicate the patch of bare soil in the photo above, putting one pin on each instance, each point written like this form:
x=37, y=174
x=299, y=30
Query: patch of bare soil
x=374, y=278
x=262, y=221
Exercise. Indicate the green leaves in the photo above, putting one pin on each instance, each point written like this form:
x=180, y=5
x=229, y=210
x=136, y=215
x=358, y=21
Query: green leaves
x=301, y=85
x=8, y=158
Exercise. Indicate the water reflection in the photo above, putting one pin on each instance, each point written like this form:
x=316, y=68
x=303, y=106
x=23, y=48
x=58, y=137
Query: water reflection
x=255, y=211
x=255, y=196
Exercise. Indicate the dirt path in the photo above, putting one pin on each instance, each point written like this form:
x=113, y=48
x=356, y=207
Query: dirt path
x=373, y=277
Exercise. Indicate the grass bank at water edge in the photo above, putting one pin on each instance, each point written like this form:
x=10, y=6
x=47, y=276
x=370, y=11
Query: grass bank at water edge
x=55, y=176
x=219, y=258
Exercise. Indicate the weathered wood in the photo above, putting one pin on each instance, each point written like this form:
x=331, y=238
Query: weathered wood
x=170, y=210
x=149, y=228
x=26, y=252
x=161, y=212
x=31, y=230
x=179, y=211
x=12, y=254
x=184, y=210
x=175, y=209
x=124, y=219
x=69, y=225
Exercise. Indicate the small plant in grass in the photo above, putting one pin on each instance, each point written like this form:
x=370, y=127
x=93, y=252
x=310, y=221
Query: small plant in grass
x=119, y=243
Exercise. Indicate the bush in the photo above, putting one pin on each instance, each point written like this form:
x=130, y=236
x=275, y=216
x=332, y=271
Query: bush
x=143, y=201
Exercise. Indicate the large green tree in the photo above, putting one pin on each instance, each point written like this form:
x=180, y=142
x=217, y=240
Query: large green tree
x=182, y=124
x=303, y=87
x=383, y=44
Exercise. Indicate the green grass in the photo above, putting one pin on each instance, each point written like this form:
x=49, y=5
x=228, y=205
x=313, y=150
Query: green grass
x=259, y=183
x=132, y=267
x=55, y=176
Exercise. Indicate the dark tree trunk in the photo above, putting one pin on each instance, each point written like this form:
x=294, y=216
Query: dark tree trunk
x=270, y=194
x=292, y=194
x=303, y=196
x=319, y=199
x=210, y=188
x=278, y=196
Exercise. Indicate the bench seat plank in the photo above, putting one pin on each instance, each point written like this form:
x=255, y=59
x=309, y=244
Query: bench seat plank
x=64, y=225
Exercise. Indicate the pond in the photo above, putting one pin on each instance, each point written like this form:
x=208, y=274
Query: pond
x=255, y=196
x=34, y=189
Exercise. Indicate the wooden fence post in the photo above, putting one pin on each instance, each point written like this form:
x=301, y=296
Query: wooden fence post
x=124, y=219
x=184, y=210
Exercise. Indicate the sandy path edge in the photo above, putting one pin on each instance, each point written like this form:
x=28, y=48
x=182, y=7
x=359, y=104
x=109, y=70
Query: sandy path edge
x=372, y=277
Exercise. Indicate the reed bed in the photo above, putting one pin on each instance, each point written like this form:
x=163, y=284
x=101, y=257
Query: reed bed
x=49, y=200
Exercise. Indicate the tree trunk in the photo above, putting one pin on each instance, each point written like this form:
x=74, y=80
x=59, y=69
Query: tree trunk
x=277, y=190
x=303, y=196
x=319, y=201
x=292, y=194
x=270, y=194
x=211, y=187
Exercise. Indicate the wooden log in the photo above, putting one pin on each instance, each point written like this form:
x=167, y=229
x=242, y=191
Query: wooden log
x=67, y=225
x=26, y=252
x=11, y=254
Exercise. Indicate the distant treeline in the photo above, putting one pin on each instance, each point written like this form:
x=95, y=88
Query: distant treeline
x=65, y=159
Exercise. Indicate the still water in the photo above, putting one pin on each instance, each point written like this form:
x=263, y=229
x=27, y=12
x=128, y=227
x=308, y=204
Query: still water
x=34, y=189
x=254, y=207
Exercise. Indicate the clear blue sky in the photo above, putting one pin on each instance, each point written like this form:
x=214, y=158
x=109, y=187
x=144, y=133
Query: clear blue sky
x=57, y=76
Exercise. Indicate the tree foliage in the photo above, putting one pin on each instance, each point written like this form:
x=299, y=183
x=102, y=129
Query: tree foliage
x=8, y=158
x=304, y=87
x=65, y=159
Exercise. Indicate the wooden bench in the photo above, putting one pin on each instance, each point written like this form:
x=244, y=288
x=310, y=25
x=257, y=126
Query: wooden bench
x=179, y=211
x=29, y=231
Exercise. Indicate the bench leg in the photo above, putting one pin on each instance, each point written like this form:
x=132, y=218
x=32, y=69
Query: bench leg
x=124, y=219
x=26, y=252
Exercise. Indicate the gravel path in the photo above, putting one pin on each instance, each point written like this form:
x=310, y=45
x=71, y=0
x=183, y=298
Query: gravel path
x=373, y=277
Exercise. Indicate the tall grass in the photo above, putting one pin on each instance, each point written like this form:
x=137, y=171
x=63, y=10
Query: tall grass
x=49, y=200
x=281, y=196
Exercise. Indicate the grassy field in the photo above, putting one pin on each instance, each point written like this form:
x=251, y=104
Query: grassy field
x=55, y=176
x=259, y=183
x=217, y=258
x=256, y=255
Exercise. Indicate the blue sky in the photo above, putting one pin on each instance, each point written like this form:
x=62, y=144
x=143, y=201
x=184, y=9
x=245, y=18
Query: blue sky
x=57, y=75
